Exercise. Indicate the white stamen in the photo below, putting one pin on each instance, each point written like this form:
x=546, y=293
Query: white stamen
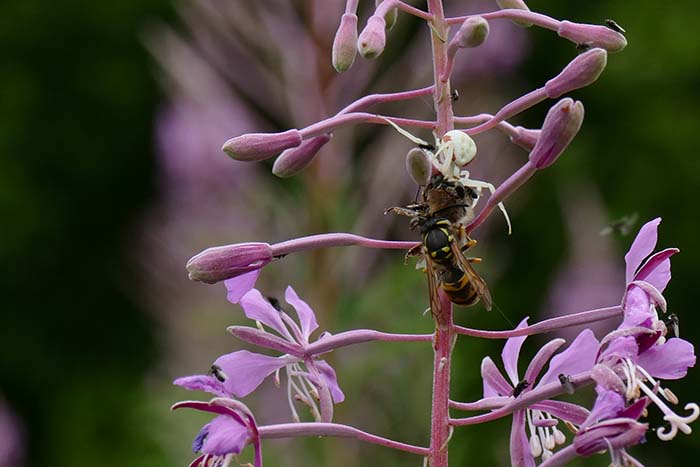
x=559, y=436
x=295, y=415
x=677, y=422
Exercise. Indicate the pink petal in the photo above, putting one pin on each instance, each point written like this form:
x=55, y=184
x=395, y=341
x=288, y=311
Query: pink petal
x=669, y=360
x=238, y=286
x=637, y=308
x=494, y=382
x=643, y=245
x=606, y=406
x=206, y=383
x=577, y=358
x=257, y=307
x=511, y=352
x=246, y=370
x=540, y=359
x=224, y=436
x=564, y=410
x=520, y=454
x=306, y=315
x=330, y=380
x=657, y=269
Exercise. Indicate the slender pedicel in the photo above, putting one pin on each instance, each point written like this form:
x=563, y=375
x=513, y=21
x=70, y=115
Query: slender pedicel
x=333, y=123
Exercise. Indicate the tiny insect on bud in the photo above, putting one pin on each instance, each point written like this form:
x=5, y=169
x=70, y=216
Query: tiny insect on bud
x=253, y=147
x=294, y=160
x=473, y=32
x=580, y=72
x=516, y=5
x=225, y=262
x=419, y=166
x=345, y=43
x=560, y=126
x=605, y=37
x=372, y=39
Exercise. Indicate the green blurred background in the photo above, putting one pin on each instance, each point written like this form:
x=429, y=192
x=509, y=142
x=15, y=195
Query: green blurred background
x=98, y=316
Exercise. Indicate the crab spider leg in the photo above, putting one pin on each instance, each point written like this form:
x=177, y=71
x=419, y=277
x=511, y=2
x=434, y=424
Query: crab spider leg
x=478, y=184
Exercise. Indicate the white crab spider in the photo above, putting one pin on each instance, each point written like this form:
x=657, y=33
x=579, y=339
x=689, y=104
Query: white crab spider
x=455, y=150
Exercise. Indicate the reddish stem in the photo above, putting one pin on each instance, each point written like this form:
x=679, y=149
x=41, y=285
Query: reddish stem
x=443, y=343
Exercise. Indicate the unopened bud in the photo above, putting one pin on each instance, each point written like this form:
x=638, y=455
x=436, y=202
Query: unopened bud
x=373, y=37
x=228, y=261
x=515, y=5
x=472, y=33
x=292, y=161
x=260, y=146
x=560, y=126
x=345, y=43
x=580, y=72
x=390, y=17
x=616, y=433
x=419, y=166
x=525, y=138
x=593, y=35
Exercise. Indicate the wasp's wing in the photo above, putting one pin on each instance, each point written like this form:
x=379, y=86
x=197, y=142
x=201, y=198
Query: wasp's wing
x=432, y=285
x=474, y=278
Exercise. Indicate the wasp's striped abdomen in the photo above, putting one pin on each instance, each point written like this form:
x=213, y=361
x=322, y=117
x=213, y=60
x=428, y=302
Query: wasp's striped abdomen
x=456, y=285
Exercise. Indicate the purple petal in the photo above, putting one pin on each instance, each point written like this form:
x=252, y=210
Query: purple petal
x=330, y=379
x=607, y=405
x=657, y=269
x=643, y=245
x=635, y=410
x=223, y=435
x=238, y=286
x=209, y=407
x=494, y=382
x=669, y=360
x=564, y=410
x=306, y=315
x=577, y=358
x=511, y=352
x=540, y=359
x=621, y=348
x=247, y=370
x=637, y=308
x=520, y=454
x=256, y=307
x=206, y=383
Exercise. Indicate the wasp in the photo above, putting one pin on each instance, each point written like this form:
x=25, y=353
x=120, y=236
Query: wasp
x=445, y=208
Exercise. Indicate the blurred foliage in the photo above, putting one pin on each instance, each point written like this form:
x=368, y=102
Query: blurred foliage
x=77, y=102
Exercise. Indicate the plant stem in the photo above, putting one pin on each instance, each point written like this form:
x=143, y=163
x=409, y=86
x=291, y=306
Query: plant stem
x=441, y=96
x=443, y=343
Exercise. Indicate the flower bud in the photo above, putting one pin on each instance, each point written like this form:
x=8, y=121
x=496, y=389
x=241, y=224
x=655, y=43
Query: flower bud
x=515, y=5
x=560, y=126
x=373, y=37
x=292, y=161
x=472, y=33
x=345, y=43
x=525, y=138
x=616, y=433
x=228, y=261
x=390, y=17
x=419, y=166
x=260, y=146
x=582, y=71
x=593, y=35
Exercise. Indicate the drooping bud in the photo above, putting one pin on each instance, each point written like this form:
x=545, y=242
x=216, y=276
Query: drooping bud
x=419, y=166
x=292, y=161
x=253, y=147
x=390, y=17
x=225, y=262
x=560, y=126
x=580, y=72
x=345, y=43
x=516, y=5
x=472, y=33
x=525, y=138
x=372, y=39
x=593, y=35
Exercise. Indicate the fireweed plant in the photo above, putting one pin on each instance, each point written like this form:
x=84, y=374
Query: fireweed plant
x=627, y=369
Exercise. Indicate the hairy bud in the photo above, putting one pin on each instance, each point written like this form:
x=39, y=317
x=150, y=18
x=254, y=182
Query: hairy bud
x=225, y=262
x=292, y=161
x=593, y=35
x=580, y=72
x=472, y=33
x=345, y=43
x=560, y=126
x=419, y=166
x=372, y=40
x=253, y=147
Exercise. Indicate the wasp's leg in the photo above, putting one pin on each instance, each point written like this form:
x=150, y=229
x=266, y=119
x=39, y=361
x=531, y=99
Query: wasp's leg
x=408, y=212
x=474, y=260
